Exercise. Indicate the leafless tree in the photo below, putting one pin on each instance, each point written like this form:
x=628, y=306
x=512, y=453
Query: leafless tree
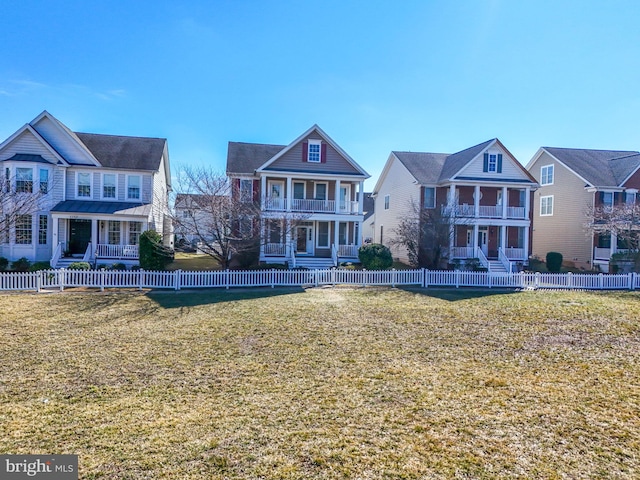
x=224, y=224
x=426, y=235
x=621, y=220
x=19, y=199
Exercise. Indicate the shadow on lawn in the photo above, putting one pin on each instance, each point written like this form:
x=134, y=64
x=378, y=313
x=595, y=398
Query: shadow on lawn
x=457, y=294
x=192, y=298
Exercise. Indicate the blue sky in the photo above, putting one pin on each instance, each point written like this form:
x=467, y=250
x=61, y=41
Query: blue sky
x=435, y=76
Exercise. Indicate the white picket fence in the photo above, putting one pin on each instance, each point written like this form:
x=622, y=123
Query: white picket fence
x=177, y=280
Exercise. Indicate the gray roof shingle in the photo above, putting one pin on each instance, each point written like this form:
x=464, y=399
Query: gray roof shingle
x=246, y=158
x=601, y=168
x=425, y=167
x=84, y=206
x=456, y=161
x=135, y=153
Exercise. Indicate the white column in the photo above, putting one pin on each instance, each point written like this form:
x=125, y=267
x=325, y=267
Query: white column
x=361, y=201
x=476, y=207
x=289, y=193
x=54, y=237
x=94, y=235
x=503, y=237
x=526, y=243
x=452, y=195
x=527, y=202
x=263, y=238
x=337, y=197
x=336, y=226
x=505, y=202
x=475, y=238
x=614, y=244
x=263, y=191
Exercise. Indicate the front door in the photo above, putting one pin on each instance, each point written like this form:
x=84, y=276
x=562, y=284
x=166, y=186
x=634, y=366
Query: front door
x=482, y=240
x=79, y=235
x=304, y=240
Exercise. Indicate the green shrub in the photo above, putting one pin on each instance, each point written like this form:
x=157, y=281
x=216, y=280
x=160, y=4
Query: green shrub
x=21, y=265
x=80, y=266
x=554, y=261
x=153, y=254
x=39, y=266
x=118, y=266
x=375, y=256
x=4, y=264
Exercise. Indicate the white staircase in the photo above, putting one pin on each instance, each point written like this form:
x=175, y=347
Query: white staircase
x=314, y=263
x=497, y=266
x=64, y=262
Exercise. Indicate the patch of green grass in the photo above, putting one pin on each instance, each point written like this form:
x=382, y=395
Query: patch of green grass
x=325, y=383
x=193, y=262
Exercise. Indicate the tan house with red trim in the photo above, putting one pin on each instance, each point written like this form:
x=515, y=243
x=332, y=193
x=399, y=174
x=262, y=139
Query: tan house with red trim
x=572, y=182
x=483, y=189
x=311, y=194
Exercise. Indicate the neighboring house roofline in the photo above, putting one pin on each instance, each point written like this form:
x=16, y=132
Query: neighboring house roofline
x=384, y=172
x=326, y=138
x=28, y=127
x=544, y=150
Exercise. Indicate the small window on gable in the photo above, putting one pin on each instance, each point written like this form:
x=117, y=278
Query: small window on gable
x=314, y=151
x=492, y=163
x=546, y=175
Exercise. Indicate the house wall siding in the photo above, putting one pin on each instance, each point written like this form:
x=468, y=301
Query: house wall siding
x=62, y=142
x=564, y=231
x=509, y=168
x=292, y=160
x=398, y=183
x=634, y=181
x=27, y=143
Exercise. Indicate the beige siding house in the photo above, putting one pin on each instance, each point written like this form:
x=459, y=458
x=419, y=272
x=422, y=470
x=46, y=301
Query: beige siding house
x=311, y=195
x=483, y=191
x=573, y=182
x=98, y=193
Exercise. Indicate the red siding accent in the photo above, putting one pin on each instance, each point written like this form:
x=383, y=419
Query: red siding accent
x=323, y=153
x=305, y=151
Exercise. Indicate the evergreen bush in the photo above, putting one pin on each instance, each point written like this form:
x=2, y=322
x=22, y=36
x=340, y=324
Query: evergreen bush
x=554, y=261
x=375, y=256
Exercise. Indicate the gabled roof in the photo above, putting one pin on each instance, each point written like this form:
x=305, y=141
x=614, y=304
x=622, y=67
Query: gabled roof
x=246, y=158
x=115, y=151
x=600, y=168
x=458, y=161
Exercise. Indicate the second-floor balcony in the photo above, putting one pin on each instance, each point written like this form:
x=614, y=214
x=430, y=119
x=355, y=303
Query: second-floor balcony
x=305, y=205
x=484, y=211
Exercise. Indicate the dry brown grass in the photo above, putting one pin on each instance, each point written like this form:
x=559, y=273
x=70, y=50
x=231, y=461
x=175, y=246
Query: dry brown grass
x=325, y=383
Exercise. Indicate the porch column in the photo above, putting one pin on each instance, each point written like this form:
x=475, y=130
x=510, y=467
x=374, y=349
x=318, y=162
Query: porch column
x=505, y=202
x=360, y=199
x=526, y=243
x=55, y=226
x=289, y=193
x=475, y=238
x=336, y=229
x=337, y=197
x=94, y=236
x=527, y=202
x=452, y=195
x=264, y=238
x=287, y=238
x=263, y=191
x=476, y=208
x=614, y=244
x=503, y=238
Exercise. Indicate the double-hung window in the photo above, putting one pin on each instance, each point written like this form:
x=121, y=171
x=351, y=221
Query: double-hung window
x=44, y=181
x=133, y=187
x=313, y=154
x=24, y=232
x=429, y=197
x=546, y=175
x=43, y=223
x=246, y=190
x=546, y=205
x=109, y=185
x=114, y=232
x=135, y=229
x=84, y=185
x=24, y=180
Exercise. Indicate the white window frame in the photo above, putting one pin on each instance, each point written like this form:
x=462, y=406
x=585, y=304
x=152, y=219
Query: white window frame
x=547, y=171
x=311, y=155
x=43, y=229
x=128, y=186
x=133, y=237
x=548, y=208
x=424, y=198
x=41, y=183
x=244, y=198
x=102, y=185
x=387, y=201
x=112, y=231
x=304, y=190
x=326, y=191
x=78, y=174
x=26, y=231
x=27, y=182
x=492, y=163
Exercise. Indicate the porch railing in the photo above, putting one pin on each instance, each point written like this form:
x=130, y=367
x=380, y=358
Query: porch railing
x=349, y=207
x=462, y=252
x=348, y=250
x=57, y=253
x=508, y=266
x=490, y=211
x=515, y=253
x=117, y=251
x=483, y=259
x=313, y=206
x=515, y=212
x=275, y=249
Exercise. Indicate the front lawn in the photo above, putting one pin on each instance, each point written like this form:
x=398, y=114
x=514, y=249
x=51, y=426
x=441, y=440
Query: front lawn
x=325, y=383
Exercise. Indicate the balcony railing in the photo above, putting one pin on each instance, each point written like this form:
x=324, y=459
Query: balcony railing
x=484, y=211
x=307, y=205
x=516, y=212
x=117, y=251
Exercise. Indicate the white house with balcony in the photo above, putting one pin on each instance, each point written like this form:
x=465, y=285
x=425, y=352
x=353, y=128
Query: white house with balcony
x=311, y=195
x=483, y=192
x=97, y=193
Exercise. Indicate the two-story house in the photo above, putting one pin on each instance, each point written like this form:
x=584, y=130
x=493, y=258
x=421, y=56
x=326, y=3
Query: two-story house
x=311, y=196
x=574, y=183
x=483, y=192
x=97, y=193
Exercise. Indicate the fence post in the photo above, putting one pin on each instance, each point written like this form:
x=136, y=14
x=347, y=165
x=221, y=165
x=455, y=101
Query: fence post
x=176, y=279
x=457, y=278
x=226, y=279
x=38, y=281
x=394, y=279
x=102, y=277
x=536, y=281
x=424, y=278
x=140, y=279
x=489, y=278
x=61, y=278
x=333, y=277
x=570, y=280
x=273, y=276
x=316, y=275
x=632, y=280
x=600, y=281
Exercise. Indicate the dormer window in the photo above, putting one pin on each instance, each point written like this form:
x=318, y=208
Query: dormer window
x=313, y=154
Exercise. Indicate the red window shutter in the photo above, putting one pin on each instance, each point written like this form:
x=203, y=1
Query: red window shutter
x=256, y=190
x=305, y=151
x=323, y=153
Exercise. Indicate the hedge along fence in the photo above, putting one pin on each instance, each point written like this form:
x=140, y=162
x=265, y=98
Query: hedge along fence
x=177, y=280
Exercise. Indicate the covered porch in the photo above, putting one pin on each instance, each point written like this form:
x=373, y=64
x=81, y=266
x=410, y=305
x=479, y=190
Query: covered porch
x=500, y=243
